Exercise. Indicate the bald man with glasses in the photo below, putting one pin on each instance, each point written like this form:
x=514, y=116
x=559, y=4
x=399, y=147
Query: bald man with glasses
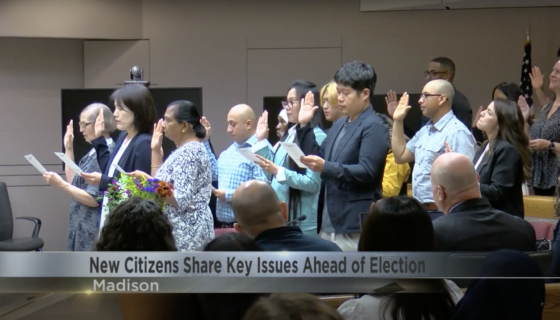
x=443, y=132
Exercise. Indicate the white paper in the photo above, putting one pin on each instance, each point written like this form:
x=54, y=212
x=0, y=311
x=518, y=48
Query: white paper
x=119, y=169
x=247, y=153
x=294, y=152
x=35, y=163
x=69, y=162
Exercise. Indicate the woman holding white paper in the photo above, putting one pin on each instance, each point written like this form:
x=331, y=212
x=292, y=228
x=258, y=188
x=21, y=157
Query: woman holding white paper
x=84, y=208
x=297, y=187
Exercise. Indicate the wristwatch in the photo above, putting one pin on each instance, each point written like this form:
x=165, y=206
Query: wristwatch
x=551, y=146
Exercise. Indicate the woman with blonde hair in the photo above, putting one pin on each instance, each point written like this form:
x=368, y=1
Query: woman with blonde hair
x=329, y=102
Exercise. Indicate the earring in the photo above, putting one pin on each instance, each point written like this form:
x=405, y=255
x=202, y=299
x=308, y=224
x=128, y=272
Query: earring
x=183, y=130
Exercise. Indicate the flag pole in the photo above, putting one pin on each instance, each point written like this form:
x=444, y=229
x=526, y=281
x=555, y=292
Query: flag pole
x=528, y=31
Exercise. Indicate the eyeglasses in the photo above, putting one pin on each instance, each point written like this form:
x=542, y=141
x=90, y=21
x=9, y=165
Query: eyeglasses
x=433, y=73
x=83, y=125
x=289, y=104
x=424, y=96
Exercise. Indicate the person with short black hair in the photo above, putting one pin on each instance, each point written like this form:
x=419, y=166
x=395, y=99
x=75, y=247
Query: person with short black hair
x=444, y=68
x=135, y=115
x=137, y=225
x=351, y=160
x=188, y=170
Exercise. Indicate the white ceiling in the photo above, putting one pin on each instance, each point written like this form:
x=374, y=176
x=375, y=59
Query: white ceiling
x=406, y=5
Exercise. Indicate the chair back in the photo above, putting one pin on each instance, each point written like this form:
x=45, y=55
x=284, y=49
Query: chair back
x=6, y=217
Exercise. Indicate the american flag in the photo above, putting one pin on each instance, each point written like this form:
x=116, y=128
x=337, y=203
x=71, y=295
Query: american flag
x=525, y=85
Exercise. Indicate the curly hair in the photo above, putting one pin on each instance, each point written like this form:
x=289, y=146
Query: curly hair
x=137, y=225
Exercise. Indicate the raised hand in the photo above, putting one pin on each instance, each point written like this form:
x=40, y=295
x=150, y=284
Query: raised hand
x=537, y=78
x=392, y=102
x=69, y=136
x=402, y=108
x=157, y=137
x=447, y=147
x=307, y=109
x=206, y=124
x=99, y=126
x=262, y=127
x=524, y=107
x=477, y=116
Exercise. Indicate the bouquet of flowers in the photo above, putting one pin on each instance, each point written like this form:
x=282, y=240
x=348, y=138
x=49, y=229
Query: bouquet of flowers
x=145, y=188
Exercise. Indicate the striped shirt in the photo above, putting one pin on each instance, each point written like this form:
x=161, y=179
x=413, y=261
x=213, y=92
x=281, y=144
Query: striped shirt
x=232, y=169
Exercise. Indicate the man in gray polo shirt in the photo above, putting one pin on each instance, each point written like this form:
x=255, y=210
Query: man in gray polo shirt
x=430, y=141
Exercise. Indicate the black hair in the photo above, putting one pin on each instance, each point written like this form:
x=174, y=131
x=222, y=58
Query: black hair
x=137, y=225
x=446, y=63
x=232, y=241
x=138, y=99
x=558, y=53
x=302, y=87
x=415, y=233
x=510, y=90
x=358, y=76
x=186, y=111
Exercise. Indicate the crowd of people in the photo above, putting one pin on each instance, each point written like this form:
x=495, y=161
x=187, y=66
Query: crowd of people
x=467, y=176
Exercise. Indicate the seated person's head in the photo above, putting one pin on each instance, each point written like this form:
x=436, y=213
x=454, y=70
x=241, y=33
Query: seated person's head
x=293, y=306
x=257, y=208
x=454, y=180
x=137, y=225
x=232, y=241
x=397, y=224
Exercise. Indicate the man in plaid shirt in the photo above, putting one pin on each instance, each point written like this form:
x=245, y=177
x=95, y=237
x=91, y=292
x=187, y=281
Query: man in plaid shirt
x=231, y=168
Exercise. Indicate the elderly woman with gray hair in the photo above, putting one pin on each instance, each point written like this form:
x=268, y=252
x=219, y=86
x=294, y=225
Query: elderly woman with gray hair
x=84, y=209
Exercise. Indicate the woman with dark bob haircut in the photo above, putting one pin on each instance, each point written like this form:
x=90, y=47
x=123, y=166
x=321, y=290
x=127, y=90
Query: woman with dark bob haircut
x=135, y=115
x=402, y=224
x=188, y=169
x=137, y=225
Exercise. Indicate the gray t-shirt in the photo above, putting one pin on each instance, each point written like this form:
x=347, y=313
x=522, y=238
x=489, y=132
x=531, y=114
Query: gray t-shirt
x=326, y=225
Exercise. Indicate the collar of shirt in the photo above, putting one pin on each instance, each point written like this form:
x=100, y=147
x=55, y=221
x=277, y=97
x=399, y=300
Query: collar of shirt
x=443, y=121
x=247, y=144
x=292, y=130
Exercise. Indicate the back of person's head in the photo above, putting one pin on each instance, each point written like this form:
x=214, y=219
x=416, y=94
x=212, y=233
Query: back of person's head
x=505, y=298
x=137, y=225
x=257, y=208
x=397, y=224
x=357, y=75
x=232, y=241
x=454, y=180
x=511, y=128
x=291, y=306
x=92, y=111
x=186, y=112
x=507, y=90
x=402, y=224
x=138, y=99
